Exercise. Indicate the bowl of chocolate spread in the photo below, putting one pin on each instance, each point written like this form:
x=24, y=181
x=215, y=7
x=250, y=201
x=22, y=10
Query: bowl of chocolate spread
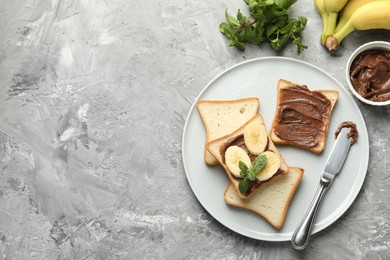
x=368, y=73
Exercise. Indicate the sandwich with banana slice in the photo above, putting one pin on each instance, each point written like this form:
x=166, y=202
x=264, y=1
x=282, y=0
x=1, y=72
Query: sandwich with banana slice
x=249, y=157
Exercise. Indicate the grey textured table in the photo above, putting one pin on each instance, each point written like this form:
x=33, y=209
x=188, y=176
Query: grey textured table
x=93, y=100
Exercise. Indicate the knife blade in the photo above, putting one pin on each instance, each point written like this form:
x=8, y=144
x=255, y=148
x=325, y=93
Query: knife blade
x=333, y=165
x=337, y=155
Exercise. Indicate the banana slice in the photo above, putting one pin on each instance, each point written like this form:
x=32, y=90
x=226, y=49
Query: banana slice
x=270, y=168
x=233, y=155
x=255, y=138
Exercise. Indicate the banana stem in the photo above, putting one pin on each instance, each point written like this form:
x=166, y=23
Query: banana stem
x=340, y=24
x=325, y=18
x=332, y=21
x=329, y=22
x=333, y=41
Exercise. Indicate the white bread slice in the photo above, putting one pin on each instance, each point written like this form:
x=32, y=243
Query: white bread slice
x=222, y=117
x=332, y=95
x=272, y=200
x=215, y=149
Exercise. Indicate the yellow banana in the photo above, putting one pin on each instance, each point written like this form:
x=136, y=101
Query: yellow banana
x=374, y=15
x=324, y=15
x=349, y=9
x=333, y=7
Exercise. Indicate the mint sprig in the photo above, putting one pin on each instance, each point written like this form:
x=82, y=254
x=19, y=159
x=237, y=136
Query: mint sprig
x=249, y=174
x=268, y=21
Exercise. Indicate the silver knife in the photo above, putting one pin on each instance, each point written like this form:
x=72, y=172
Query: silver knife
x=333, y=165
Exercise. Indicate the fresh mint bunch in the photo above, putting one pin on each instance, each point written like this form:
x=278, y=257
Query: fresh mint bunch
x=268, y=21
x=250, y=174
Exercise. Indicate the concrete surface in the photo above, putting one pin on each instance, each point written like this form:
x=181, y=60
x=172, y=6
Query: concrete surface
x=93, y=100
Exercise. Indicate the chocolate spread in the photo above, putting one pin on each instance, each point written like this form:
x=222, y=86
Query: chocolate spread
x=238, y=141
x=370, y=75
x=302, y=115
x=353, y=133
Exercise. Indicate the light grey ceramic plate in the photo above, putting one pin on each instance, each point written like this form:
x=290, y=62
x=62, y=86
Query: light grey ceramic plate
x=258, y=78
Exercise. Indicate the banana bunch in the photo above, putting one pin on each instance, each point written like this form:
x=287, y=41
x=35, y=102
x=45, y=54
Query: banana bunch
x=341, y=17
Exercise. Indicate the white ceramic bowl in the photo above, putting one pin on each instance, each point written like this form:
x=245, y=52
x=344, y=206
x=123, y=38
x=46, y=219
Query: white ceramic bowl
x=381, y=45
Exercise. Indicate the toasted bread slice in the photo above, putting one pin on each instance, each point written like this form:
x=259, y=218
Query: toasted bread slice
x=316, y=130
x=218, y=147
x=272, y=200
x=222, y=117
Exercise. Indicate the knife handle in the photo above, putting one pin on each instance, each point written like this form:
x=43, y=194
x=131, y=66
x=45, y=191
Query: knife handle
x=301, y=236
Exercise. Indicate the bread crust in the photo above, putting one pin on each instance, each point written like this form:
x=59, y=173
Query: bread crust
x=332, y=95
x=215, y=146
x=208, y=157
x=251, y=204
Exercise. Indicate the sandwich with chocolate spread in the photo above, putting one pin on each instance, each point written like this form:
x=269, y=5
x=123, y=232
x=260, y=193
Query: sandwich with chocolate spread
x=302, y=116
x=249, y=157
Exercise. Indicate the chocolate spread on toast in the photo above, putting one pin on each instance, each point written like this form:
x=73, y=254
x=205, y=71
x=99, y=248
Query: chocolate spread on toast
x=302, y=116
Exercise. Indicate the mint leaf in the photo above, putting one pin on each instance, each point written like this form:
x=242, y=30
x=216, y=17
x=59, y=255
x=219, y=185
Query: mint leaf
x=240, y=35
x=226, y=30
x=271, y=30
x=298, y=42
x=250, y=36
x=285, y=3
x=239, y=16
x=243, y=186
x=302, y=20
x=251, y=176
x=278, y=11
x=243, y=169
x=260, y=31
x=288, y=27
x=261, y=3
x=281, y=21
x=233, y=22
x=259, y=163
x=237, y=43
x=275, y=44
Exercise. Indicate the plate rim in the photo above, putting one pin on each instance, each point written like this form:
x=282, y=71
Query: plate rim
x=320, y=226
